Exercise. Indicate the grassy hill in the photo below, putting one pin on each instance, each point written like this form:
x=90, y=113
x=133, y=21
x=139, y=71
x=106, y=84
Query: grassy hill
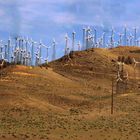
x=71, y=99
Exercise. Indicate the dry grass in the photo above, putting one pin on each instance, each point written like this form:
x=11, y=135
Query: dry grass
x=68, y=102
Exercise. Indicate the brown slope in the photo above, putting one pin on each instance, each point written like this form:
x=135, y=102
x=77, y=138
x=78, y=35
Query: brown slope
x=95, y=62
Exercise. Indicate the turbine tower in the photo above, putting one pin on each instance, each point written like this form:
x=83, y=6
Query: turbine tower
x=125, y=36
x=95, y=37
x=66, y=45
x=103, y=38
x=79, y=46
x=73, y=40
x=84, y=38
x=135, y=36
x=8, y=51
x=53, y=50
x=120, y=39
x=32, y=51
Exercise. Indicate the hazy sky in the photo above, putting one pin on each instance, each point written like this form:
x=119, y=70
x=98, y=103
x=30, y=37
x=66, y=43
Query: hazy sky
x=46, y=19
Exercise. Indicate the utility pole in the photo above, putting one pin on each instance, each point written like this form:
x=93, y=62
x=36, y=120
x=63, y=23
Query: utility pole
x=112, y=98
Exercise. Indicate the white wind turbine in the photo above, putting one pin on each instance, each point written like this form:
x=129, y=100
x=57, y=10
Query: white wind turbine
x=66, y=45
x=120, y=39
x=88, y=36
x=131, y=39
x=33, y=43
x=47, y=54
x=127, y=41
x=40, y=52
x=137, y=41
x=104, y=38
x=120, y=66
x=2, y=55
x=9, y=45
x=126, y=77
x=84, y=37
x=125, y=35
x=112, y=38
x=2, y=64
x=91, y=41
x=135, y=63
x=119, y=77
x=79, y=46
x=1, y=48
x=73, y=40
x=95, y=36
x=100, y=42
x=135, y=35
x=54, y=49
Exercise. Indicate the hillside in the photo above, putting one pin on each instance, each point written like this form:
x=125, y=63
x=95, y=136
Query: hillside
x=97, y=63
x=71, y=99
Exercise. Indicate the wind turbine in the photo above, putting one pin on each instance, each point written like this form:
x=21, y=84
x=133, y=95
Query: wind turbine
x=125, y=35
x=135, y=62
x=32, y=51
x=91, y=42
x=126, y=77
x=127, y=41
x=53, y=50
x=36, y=58
x=21, y=49
x=103, y=38
x=66, y=45
x=88, y=33
x=84, y=37
x=39, y=57
x=2, y=64
x=2, y=55
x=79, y=46
x=138, y=41
x=135, y=36
x=5, y=51
x=73, y=40
x=135, y=65
x=16, y=42
x=95, y=36
x=100, y=42
x=112, y=38
x=130, y=39
x=8, y=49
x=47, y=54
x=120, y=66
x=40, y=51
x=120, y=39
x=1, y=48
x=118, y=77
